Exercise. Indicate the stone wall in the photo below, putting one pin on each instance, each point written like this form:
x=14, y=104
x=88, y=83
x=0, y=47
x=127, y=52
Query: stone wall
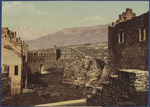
x=36, y=60
x=128, y=88
x=9, y=61
x=128, y=61
x=15, y=79
x=125, y=16
x=132, y=53
x=9, y=39
x=45, y=59
x=5, y=85
x=14, y=55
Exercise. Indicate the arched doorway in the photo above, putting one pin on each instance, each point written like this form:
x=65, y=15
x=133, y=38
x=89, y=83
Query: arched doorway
x=41, y=68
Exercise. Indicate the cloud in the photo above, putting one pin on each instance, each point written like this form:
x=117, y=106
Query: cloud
x=40, y=12
x=94, y=18
x=20, y=6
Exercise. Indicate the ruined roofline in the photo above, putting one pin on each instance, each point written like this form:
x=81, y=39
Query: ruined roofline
x=6, y=32
x=125, y=16
x=3, y=29
x=9, y=38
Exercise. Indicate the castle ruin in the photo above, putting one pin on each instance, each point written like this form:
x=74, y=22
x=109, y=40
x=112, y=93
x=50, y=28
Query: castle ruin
x=14, y=59
x=128, y=51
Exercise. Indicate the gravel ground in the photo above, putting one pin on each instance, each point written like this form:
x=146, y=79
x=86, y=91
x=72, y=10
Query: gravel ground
x=48, y=88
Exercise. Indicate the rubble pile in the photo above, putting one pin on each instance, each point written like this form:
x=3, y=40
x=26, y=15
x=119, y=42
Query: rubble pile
x=84, y=72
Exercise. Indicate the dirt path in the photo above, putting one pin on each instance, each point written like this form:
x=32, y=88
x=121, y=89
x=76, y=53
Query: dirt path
x=48, y=90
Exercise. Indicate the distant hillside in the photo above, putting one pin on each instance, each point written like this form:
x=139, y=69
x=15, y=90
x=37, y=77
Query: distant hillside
x=71, y=36
x=27, y=33
x=94, y=50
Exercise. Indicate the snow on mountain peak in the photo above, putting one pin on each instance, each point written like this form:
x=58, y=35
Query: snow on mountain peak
x=27, y=33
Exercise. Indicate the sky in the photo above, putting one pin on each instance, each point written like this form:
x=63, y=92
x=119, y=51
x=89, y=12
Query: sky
x=56, y=15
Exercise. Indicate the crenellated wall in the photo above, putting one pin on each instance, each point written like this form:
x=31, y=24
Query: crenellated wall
x=42, y=61
x=132, y=51
x=124, y=16
x=128, y=49
x=38, y=59
x=9, y=39
x=14, y=56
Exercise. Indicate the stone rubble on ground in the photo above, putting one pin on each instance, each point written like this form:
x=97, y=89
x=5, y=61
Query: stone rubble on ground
x=84, y=72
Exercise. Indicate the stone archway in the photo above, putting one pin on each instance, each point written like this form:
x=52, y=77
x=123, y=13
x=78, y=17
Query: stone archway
x=41, y=68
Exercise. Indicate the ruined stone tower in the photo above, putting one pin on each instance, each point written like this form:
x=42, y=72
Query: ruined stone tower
x=14, y=56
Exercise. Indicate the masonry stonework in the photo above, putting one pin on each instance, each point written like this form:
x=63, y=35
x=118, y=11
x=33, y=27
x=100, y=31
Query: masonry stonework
x=36, y=60
x=132, y=53
x=14, y=56
x=128, y=61
x=47, y=60
x=128, y=50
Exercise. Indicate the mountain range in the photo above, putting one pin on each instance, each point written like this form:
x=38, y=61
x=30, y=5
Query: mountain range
x=40, y=39
x=26, y=33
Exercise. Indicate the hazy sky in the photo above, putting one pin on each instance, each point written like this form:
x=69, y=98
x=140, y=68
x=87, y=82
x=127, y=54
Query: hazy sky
x=56, y=15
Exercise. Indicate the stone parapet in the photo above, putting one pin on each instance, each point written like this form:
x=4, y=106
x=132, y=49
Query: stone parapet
x=9, y=38
x=129, y=85
x=40, y=54
x=136, y=80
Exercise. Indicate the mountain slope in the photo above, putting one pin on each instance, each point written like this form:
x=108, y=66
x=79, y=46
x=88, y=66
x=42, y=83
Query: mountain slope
x=71, y=36
x=27, y=33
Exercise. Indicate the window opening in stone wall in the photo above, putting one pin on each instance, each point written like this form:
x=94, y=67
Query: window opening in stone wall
x=41, y=68
x=121, y=37
x=142, y=34
x=16, y=70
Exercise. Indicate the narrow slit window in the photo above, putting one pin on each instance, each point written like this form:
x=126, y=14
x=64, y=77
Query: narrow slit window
x=142, y=34
x=121, y=37
x=16, y=70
